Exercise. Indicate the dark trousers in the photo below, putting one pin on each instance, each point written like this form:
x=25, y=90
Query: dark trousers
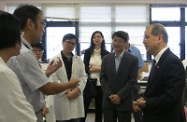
x=98, y=105
x=137, y=115
x=112, y=115
x=72, y=120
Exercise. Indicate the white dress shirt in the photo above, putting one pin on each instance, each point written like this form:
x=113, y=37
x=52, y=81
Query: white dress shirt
x=96, y=60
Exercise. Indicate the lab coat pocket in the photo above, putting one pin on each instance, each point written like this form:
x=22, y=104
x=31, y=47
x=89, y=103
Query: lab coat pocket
x=74, y=105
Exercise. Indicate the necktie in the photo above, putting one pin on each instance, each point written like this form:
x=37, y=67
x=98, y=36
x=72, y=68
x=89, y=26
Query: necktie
x=153, y=65
x=152, y=68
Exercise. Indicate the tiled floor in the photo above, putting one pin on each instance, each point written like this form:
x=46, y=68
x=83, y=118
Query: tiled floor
x=90, y=118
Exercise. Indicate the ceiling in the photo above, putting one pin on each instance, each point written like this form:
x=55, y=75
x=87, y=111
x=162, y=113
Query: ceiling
x=177, y=2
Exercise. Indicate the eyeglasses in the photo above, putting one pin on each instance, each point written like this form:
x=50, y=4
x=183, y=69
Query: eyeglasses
x=147, y=37
x=37, y=50
x=42, y=22
x=71, y=43
x=97, y=37
x=119, y=41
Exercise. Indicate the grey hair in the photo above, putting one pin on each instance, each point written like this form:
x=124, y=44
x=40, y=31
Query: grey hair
x=159, y=29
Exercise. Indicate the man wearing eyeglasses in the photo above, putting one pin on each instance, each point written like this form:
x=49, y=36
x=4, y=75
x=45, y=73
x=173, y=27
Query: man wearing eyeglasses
x=118, y=77
x=32, y=79
x=68, y=105
x=162, y=100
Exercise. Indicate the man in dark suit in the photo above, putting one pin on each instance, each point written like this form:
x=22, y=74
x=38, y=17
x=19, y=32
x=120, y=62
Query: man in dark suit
x=119, y=71
x=162, y=100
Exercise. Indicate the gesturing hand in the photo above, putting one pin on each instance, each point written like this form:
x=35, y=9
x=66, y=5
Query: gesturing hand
x=53, y=66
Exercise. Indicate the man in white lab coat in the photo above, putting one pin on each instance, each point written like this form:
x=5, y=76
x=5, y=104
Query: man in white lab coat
x=68, y=105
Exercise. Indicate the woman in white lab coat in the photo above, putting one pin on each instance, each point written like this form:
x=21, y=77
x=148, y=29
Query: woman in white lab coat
x=68, y=105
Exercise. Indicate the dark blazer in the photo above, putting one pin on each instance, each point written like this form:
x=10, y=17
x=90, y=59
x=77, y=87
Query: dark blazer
x=120, y=83
x=164, y=91
x=87, y=56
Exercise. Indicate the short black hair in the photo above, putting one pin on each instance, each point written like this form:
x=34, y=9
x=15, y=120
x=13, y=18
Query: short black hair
x=38, y=45
x=10, y=33
x=121, y=34
x=70, y=36
x=25, y=12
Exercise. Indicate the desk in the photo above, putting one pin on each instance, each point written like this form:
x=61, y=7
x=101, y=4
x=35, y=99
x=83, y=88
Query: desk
x=142, y=81
x=142, y=85
x=145, y=70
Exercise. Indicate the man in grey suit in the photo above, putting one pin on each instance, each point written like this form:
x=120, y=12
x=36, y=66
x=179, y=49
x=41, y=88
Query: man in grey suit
x=162, y=100
x=119, y=72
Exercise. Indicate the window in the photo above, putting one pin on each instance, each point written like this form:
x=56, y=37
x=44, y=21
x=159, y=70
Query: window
x=59, y=13
x=106, y=18
x=86, y=33
x=95, y=14
x=186, y=14
x=174, y=39
x=95, y=18
x=165, y=14
x=54, y=37
x=54, y=34
x=131, y=14
x=136, y=37
x=10, y=8
x=174, y=24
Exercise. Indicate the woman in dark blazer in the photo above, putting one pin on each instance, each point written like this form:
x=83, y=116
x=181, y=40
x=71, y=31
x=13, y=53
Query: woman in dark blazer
x=92, y=59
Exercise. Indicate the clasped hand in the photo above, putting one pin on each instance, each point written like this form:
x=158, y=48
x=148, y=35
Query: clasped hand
x=115, y=99
x=72, y=93
x=139, y=104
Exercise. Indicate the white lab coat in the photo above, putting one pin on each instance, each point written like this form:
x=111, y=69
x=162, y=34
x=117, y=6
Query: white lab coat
x=184, y=62
x=66, y=109
x=50, y=116
x=13, y=104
